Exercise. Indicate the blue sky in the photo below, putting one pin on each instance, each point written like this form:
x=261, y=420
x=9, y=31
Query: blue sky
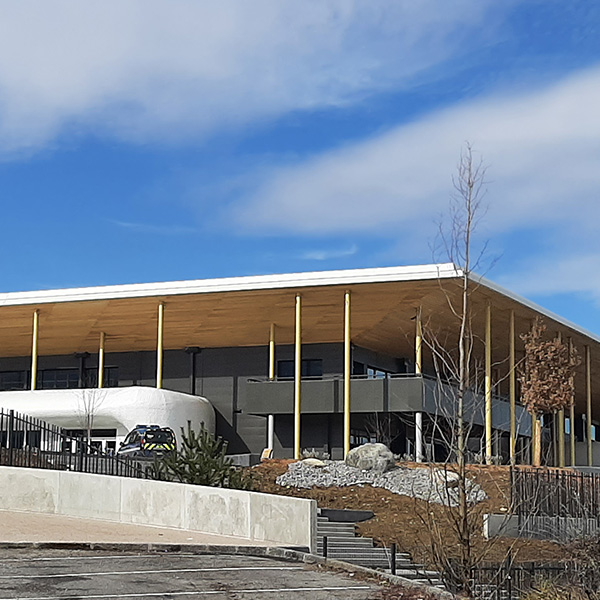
x=149, y=140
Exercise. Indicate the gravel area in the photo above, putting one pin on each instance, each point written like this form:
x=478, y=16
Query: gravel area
x=431, y=485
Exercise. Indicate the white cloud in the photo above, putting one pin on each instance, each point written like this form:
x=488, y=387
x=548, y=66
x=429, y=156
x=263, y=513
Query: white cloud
x=165, y=69
x=546, y=276
x=155, y=229
x=542, y=147
x=330, y=253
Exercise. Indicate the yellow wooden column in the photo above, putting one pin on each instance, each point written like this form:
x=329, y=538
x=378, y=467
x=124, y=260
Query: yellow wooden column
x=347, y=371
x=572, y=418
x=488, y=384
x=588, y=394
x=297, y=376
x=159, y=345
x=271, y=418
x=101, y=360
x=419, y=455
x=512, y=380
x=561, y=427
x=34, y=348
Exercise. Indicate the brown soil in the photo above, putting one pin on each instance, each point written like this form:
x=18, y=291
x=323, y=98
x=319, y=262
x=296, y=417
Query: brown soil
x=408, y=522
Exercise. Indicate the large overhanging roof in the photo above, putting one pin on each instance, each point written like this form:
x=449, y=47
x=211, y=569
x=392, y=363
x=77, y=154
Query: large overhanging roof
x=238, y=311
x=233, y=284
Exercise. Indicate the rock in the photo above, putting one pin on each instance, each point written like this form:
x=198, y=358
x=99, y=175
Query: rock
x=413, y=482
x=313, y=462
x=371, y=457
x=447, y=479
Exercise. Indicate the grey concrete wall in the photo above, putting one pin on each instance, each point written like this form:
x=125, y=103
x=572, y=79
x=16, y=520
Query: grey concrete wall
x=253, y=516
x=560, y=529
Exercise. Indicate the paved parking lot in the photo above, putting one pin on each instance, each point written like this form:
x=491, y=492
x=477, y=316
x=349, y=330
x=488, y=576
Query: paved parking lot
x=35, y=574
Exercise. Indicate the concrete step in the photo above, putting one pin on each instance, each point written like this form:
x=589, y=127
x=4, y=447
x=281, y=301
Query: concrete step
x=357, y=553
x=336, y=526
x=347, y=542
x=336, y=533
x=344, y=544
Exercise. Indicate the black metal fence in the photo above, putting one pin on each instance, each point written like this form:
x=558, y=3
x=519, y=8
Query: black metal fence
x=555, y=493
x=511, y=582
x=29, y=442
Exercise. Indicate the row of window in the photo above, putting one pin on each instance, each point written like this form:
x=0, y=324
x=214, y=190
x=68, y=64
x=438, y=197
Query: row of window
x=313, y=367
x=57, y=379
x=68, y=378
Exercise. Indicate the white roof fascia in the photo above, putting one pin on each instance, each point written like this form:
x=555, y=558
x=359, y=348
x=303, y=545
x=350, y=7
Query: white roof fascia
x=533, y=306
x=233, y=284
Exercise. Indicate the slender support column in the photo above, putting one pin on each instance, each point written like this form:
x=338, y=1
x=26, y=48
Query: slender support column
x=347, y=367
x=101, y=360
x=297, y=376
x=82, y=357
x=34, y=348
x=418, y=371
x=561, y=428
x=488, y=384
x=271, y=418
x=159, y=345
x=192, y=351
x=588, y=394
x=512, y=380
x=572, y=417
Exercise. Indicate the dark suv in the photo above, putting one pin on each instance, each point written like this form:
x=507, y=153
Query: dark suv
x=148, y=440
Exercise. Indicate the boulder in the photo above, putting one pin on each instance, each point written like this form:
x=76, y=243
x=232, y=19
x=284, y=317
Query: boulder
x=371, y=457
x=444, y=479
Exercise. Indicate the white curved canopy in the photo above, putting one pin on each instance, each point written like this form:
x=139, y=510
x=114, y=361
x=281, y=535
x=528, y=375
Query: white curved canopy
x=113, y=408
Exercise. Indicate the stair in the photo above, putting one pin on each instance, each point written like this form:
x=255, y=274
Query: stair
x=344, y=544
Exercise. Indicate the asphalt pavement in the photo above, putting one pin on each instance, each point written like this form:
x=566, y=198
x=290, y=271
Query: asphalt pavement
x=61, y=574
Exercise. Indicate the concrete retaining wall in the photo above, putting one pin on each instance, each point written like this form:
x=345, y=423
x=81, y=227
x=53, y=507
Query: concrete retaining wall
x=559, y=529
x=252, y=516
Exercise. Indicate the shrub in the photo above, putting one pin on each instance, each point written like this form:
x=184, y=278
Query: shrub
x=547, y=590
x=201, y=460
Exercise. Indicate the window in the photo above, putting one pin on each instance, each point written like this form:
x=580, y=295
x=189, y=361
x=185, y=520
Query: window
x=375, y=373
x=13, y=380
x=311, y=367
x=111, y=377
x=58, y=379
x=358, y=368
x=359, y=437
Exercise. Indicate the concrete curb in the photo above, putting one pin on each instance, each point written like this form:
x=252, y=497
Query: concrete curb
x=291, y=554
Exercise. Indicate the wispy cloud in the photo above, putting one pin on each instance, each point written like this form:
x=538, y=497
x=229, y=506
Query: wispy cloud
x=543, y=149
x=155, y=229
x=172, y=69
x=329, y=253
x=556, y=274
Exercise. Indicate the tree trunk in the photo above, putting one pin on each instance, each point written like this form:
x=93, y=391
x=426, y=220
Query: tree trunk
x=537, y=441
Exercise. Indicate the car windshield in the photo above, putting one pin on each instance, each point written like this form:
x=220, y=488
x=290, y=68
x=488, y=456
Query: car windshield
x=159, y=437
x=132, y=438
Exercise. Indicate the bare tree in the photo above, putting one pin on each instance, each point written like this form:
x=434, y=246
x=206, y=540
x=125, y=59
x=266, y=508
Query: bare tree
x=458, y=374
x=89, y=401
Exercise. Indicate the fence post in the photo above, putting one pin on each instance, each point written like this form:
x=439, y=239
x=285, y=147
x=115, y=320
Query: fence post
x=393, y=559
x=9, y=441
x=509, y=569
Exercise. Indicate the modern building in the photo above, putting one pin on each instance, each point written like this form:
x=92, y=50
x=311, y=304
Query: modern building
x=320, y=360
